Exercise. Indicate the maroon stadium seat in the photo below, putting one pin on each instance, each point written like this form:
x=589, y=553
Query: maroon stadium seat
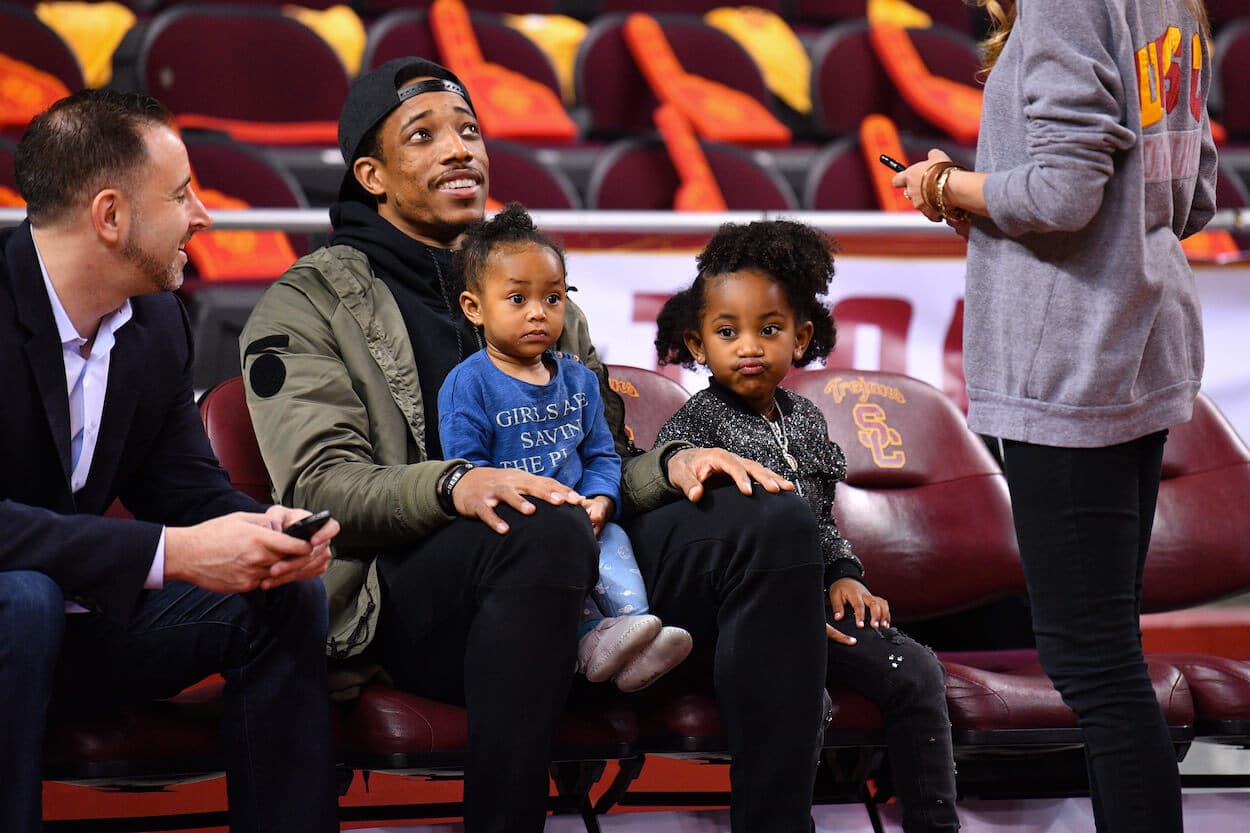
x=924, y=505
x=613, y=90
x=650, y=399
x=520, y=173
x=25, y=38
x=1199, y=552
x=1224, y=12
x=398, y=34
x=636, y=174
x=229, y=426
x=246, y=173
x=825, y=12
x=249, y=65
x=161, y=5
x=407, y=32
x=848, y=81
x=690, y=7
x=1232, y=68
x=927, y=510
x=838, y=179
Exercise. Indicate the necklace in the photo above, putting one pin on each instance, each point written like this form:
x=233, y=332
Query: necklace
x=778, y=427
x=451, y=310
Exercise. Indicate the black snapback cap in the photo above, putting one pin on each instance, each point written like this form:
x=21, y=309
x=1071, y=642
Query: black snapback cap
x=374, y=96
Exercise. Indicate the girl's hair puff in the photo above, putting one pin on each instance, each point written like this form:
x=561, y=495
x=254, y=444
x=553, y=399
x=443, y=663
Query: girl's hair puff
x=795, y=255
x=511, y=226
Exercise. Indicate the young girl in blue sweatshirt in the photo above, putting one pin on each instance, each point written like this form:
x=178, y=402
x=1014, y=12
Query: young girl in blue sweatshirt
x=517, y=403
x=752, y=313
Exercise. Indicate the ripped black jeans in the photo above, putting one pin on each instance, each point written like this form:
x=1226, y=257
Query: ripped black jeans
x=908, y=683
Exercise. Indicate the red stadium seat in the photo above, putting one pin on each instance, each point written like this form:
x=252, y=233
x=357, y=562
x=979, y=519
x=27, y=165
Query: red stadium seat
x=398, y=34
x=1199, y=553
x=636, y=174
x=926, y=508
x=229, y=427
x=613, y=90
x=848, y=81
x=254, y=73
x=24, y=36
x=650, y=399
x=245, y=172
x=522, y=174
x=838, y=179
x=1232, y=68
x=913, y=466
x=36, y=68
x=689, y=7
x=407, y=32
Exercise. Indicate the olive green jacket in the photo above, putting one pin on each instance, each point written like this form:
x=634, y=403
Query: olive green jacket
x=333, y=393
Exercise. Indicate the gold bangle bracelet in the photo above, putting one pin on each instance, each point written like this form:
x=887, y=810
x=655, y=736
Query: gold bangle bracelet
x=928, y=182
x=955, y=215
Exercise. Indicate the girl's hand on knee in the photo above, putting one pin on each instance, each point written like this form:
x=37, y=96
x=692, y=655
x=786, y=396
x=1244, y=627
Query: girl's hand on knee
x=600, y=508
x=849, y=592
x=836, y=635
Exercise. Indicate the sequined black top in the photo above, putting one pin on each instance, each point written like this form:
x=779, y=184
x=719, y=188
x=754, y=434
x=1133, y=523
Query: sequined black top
x=718, y=418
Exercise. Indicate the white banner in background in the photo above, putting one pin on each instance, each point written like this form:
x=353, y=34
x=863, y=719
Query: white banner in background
x=895, y=314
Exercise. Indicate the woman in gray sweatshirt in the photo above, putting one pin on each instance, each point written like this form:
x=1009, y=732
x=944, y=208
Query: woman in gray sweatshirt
x=1083, y=336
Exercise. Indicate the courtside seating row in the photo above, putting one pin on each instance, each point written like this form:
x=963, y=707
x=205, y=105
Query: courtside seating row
x=928, y=510
x=256, y=53
x=803, y=12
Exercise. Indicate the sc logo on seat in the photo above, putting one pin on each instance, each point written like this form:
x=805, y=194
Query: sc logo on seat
x=875, y=434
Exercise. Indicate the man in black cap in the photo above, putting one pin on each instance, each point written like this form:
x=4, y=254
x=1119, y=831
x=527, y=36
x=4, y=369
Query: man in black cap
x=466, y=584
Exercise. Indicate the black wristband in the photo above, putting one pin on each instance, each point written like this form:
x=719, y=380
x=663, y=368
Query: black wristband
x=668, y=455
x=447, y=483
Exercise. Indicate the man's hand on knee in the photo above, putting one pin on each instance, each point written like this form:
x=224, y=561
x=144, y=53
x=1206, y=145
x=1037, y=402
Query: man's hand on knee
x=241, y=551
x=690, y=468
x=482, y=489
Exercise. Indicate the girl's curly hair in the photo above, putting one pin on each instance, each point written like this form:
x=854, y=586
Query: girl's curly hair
x=795, y=255
x=510, y=226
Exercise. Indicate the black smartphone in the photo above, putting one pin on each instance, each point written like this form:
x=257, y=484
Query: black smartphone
x=892, y=163
x=306, y=528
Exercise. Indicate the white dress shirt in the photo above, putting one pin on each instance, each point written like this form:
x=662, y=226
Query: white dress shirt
x=86, y=380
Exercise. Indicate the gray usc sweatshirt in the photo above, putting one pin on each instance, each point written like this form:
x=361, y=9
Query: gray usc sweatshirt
x=1082, y=325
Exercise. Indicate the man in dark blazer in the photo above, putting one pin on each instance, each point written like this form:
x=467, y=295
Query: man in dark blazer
x=97, y=405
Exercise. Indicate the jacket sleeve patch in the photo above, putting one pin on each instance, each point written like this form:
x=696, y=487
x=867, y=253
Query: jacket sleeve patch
x=267, y=375
x=264, y=345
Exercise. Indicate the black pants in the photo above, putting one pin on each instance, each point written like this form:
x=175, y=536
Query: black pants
x=743, y=575
x=908, y=683
x=491, y=621
x=1083, y=518
x=470, y=616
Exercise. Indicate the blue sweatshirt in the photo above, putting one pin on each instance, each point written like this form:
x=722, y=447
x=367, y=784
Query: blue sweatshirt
x=556, y=430
x=1082, y=325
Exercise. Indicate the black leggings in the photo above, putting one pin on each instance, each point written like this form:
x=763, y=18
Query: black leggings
x=1083, y=518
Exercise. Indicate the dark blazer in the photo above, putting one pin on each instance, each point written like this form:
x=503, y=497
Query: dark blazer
x=151, y=451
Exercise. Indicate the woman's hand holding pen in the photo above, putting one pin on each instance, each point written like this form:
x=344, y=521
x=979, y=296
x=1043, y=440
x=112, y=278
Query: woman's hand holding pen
x=911, y=180
x=950, y=193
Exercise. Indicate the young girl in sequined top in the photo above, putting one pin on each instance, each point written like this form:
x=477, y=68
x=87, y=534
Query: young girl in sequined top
x=751, y=314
